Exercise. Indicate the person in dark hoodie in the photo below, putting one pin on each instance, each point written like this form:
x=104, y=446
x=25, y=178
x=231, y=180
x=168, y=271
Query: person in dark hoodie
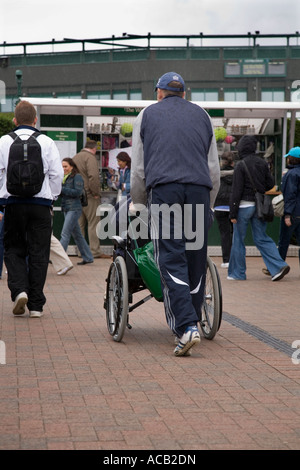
x=243, y=212
x=290, y=187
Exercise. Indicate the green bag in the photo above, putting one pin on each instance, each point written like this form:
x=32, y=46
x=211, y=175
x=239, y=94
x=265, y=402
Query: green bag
x=148, y=269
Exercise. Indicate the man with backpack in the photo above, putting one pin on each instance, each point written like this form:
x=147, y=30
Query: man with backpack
x=30, y=180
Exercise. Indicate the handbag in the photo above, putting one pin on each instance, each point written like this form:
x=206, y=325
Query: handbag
x=83, y=198
x=148, y=269
x=263, y=202
x=278, y=205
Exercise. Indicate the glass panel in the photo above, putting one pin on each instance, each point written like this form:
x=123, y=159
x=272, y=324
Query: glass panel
x=235, y=95
x=120, y=95
x=204, y=95
x=98, y=95
x=135, y=95
x=9, y=106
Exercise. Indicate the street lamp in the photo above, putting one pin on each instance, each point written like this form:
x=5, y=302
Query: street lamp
x=19, y=79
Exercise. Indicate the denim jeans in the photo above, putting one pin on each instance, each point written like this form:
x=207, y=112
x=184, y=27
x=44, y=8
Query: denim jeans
x=265, y=244
x=71, y=228
x=285, y=235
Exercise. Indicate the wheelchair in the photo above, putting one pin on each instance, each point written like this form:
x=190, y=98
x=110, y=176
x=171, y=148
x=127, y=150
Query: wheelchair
x=124, y=280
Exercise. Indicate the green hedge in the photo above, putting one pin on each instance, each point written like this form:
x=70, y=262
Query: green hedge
x=6, y=123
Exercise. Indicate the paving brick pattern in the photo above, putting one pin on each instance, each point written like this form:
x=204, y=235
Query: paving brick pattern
x=67, y=385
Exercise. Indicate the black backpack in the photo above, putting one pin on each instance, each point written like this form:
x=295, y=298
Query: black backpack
x=25, y=170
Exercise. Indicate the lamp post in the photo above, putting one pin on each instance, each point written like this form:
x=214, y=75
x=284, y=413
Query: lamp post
x=19, y=79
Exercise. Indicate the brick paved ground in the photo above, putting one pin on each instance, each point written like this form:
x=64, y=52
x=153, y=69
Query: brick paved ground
x=67, y=385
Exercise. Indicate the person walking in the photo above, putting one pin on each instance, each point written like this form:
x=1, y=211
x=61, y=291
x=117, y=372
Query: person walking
x=28, y=220
x=59, y=258
x=221, y=207
x=87, y=166
x=290, y=187
x=71, y=207
x=175, y=165
x=243, y=213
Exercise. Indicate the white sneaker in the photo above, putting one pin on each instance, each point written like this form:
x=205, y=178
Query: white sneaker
x=35, y=314
x=188, y=352
x=20, y=302
x=224, y=265
x=64, y=270
x=190, y=337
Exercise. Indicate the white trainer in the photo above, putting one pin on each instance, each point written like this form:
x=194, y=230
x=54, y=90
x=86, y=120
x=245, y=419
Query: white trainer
x=35, y=314
x=20, y=303
x=190, y=337
x=64, y=271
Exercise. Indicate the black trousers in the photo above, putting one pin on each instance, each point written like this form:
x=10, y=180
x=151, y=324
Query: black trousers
x=180, y=255
x=226, y=230
x=27, y=235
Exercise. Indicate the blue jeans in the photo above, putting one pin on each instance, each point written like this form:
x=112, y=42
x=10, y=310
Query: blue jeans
x=285, y=235
x=265, y=244
x=71, y=228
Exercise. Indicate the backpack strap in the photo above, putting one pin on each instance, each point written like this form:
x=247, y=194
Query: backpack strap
x=35, y=134
x=13, y=135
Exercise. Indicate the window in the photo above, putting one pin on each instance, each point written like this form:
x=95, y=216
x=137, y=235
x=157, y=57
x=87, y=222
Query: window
x=135, y=95
x=9, y=105
x=98, y=95
x=235, y=95
x=119, y=95
x=272, y=94
x=70, y=95
x=205, y=94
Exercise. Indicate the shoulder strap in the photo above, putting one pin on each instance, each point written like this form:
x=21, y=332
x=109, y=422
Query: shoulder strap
x=13, y=135
x=35, y=134
x=250, y=177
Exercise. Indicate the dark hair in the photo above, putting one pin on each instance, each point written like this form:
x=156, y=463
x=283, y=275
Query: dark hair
x=227, y=157
x=90, y=144
x=173, y=84
x=72, y=164
x=293, y=160
x=124, y=157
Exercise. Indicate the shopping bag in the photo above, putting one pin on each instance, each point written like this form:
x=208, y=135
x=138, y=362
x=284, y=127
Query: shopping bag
x=278, y=205
x=148, y=269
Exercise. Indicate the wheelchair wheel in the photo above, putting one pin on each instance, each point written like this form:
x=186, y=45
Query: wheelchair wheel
x=211, y=311
x=117, y=299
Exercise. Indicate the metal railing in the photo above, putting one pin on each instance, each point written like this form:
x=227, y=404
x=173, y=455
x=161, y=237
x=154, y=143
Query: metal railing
x=134, y=41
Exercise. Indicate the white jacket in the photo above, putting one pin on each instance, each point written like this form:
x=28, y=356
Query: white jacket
x=53, y=170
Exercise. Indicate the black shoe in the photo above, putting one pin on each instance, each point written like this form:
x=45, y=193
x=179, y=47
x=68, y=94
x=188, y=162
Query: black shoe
x=84, y=262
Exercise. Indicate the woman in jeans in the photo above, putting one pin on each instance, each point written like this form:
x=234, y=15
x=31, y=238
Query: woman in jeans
x=243, y=213
x=71, y=207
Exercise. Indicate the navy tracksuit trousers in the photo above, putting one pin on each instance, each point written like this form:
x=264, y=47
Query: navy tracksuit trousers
x=179, y=226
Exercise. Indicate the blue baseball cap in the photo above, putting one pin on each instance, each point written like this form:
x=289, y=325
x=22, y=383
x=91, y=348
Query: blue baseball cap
x=163, y=82
x=294, y=152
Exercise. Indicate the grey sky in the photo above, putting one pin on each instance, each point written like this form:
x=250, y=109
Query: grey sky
x=43, y=20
